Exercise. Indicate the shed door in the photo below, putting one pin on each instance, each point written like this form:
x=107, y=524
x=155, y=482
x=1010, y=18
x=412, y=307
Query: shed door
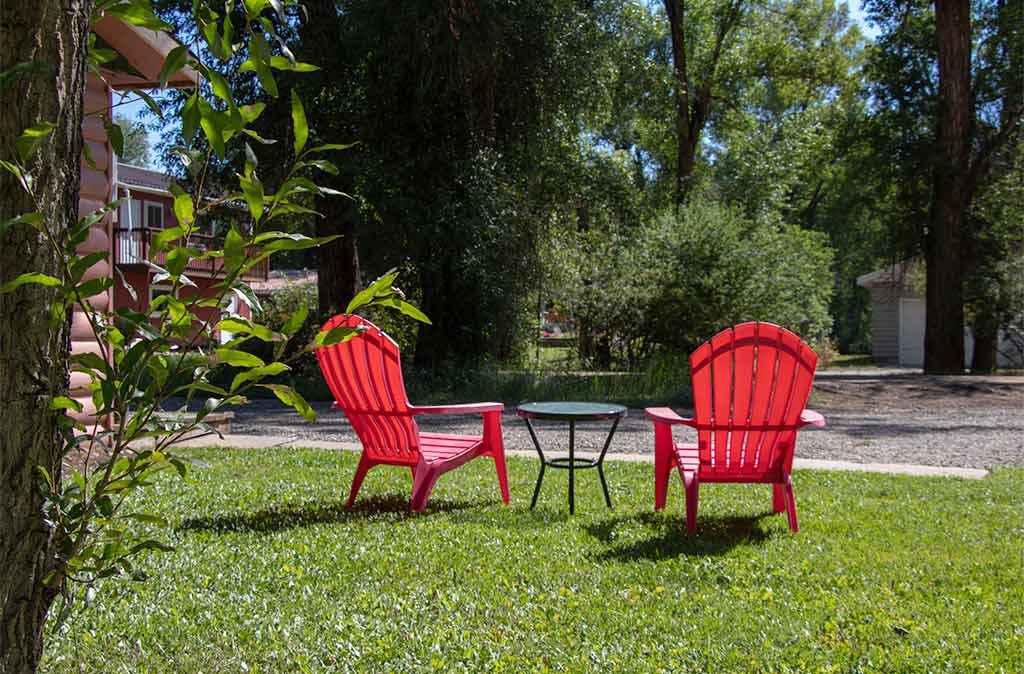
x=911, y=332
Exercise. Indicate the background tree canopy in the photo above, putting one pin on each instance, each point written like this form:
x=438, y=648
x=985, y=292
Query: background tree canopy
x=512, y=156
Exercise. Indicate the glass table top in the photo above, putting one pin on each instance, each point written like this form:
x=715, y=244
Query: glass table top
x=570, y=411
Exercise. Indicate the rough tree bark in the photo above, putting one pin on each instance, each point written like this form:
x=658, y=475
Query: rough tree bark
x=988, y=317
x=337, y=261
x=33, y=358
x=693, y=99
x=944, y=323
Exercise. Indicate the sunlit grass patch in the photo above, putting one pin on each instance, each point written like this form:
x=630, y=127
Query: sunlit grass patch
x=273, y=574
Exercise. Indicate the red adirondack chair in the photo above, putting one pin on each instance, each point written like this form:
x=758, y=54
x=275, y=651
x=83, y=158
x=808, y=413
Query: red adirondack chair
x=750, y=385
x=365, y=376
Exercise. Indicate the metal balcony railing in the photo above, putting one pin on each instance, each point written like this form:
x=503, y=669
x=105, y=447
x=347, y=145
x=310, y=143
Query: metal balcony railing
x=131, y=247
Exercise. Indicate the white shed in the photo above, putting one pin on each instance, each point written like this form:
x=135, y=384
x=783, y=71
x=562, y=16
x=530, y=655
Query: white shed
x=898, y=318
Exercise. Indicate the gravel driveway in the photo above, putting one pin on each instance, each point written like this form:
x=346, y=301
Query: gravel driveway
x=886, y=417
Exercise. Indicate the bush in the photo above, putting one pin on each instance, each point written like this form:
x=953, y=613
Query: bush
x=719, y=269
x=672, y=284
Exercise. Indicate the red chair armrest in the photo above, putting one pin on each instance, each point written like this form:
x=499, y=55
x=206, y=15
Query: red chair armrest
x=665, y=415
x=470, y=408
x=812, y=418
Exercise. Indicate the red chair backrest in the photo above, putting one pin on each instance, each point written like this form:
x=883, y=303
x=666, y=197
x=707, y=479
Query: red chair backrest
x=365, y=376
x=750, y=384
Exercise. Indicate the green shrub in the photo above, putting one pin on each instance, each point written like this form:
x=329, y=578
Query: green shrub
x=666, y=287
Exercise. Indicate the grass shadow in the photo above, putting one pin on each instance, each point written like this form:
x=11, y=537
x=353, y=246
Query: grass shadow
x=715, y=536
x=282, y=518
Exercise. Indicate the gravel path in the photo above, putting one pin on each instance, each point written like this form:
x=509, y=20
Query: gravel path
x=873, y=416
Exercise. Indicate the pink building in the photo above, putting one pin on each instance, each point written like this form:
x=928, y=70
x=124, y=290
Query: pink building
x=123, y=236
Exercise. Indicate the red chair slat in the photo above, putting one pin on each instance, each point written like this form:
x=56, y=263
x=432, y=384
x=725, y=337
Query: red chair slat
x=750, y=386
x=365, y=376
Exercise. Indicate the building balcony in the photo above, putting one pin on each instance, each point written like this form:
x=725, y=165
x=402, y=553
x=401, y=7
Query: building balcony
x=131, y=250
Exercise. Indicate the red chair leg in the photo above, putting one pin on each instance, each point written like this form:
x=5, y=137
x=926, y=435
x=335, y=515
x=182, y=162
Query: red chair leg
x=791, y=506
x=663, y=461
x=499, y=466
x=422, y=486
x=494, y=446
x=779, y=498
x=357, y=481
x=692, y=485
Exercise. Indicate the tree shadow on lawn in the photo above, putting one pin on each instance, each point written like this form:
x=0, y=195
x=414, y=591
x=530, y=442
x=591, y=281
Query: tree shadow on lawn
x=393, y=508
x=715, y=536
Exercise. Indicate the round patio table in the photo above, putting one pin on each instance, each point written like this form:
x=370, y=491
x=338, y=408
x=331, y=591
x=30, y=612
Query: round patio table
x=571, y=412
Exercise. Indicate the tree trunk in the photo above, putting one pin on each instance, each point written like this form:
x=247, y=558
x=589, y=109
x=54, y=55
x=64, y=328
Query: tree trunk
x=33, y=357
x=686, y=150
x=337, y=261
x=986, y=346
x=694, y=107
x=944, y=327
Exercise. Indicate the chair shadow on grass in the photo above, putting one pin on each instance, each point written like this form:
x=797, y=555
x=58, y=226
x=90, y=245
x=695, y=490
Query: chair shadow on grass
x=391, y=508
x=715, y=536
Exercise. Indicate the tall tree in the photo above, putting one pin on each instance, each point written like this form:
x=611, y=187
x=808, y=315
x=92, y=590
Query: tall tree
x=43, y=45
x=695, y=83
x=338, y=261
x=136, y=141
x=955, y=130
x=944, y=322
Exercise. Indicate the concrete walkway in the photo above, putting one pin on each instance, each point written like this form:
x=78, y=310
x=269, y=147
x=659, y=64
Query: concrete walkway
x=240, y=441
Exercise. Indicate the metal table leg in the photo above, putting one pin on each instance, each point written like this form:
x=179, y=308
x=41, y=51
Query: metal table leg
x=600, y=462
x=572, y=467
x=570, y=463
x=543, y=462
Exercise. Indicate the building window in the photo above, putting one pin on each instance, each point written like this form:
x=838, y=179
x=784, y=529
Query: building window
x=157, y=291
x=154, y=215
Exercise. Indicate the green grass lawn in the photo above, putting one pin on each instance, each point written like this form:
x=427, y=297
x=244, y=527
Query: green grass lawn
x=272, y=574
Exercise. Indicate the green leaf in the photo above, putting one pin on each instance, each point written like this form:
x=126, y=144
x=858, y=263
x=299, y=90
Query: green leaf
x=258, y=373
x=31, y=138
x=404, y=307
x=65, y=403
x=252, y=190
x=281, y=63
x=332, y=146
x=24, y=69
x=150, y=103
x=34, y=219
x=87, y=155
x=83, y=264
x=190, y=117
x=175, y=61
x=213, y=123
x=260, y=60
x=138, y=14
x=26, y=182
x=290, y=396
x=378, y=289
x=238, y=358
x=127, y=286
x=30, y=278
x=184, y=209
x=115, y=135
x=221, y=88
x=296, y=320
x=336, y=335
x=165, y=237
x=93, y=287
x=254, y=7
x=246, y=327
x=299, y=123
x=250, y=113
x=322, y=164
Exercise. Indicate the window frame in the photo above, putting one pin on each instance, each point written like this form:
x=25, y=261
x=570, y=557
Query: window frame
x=146, y=204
